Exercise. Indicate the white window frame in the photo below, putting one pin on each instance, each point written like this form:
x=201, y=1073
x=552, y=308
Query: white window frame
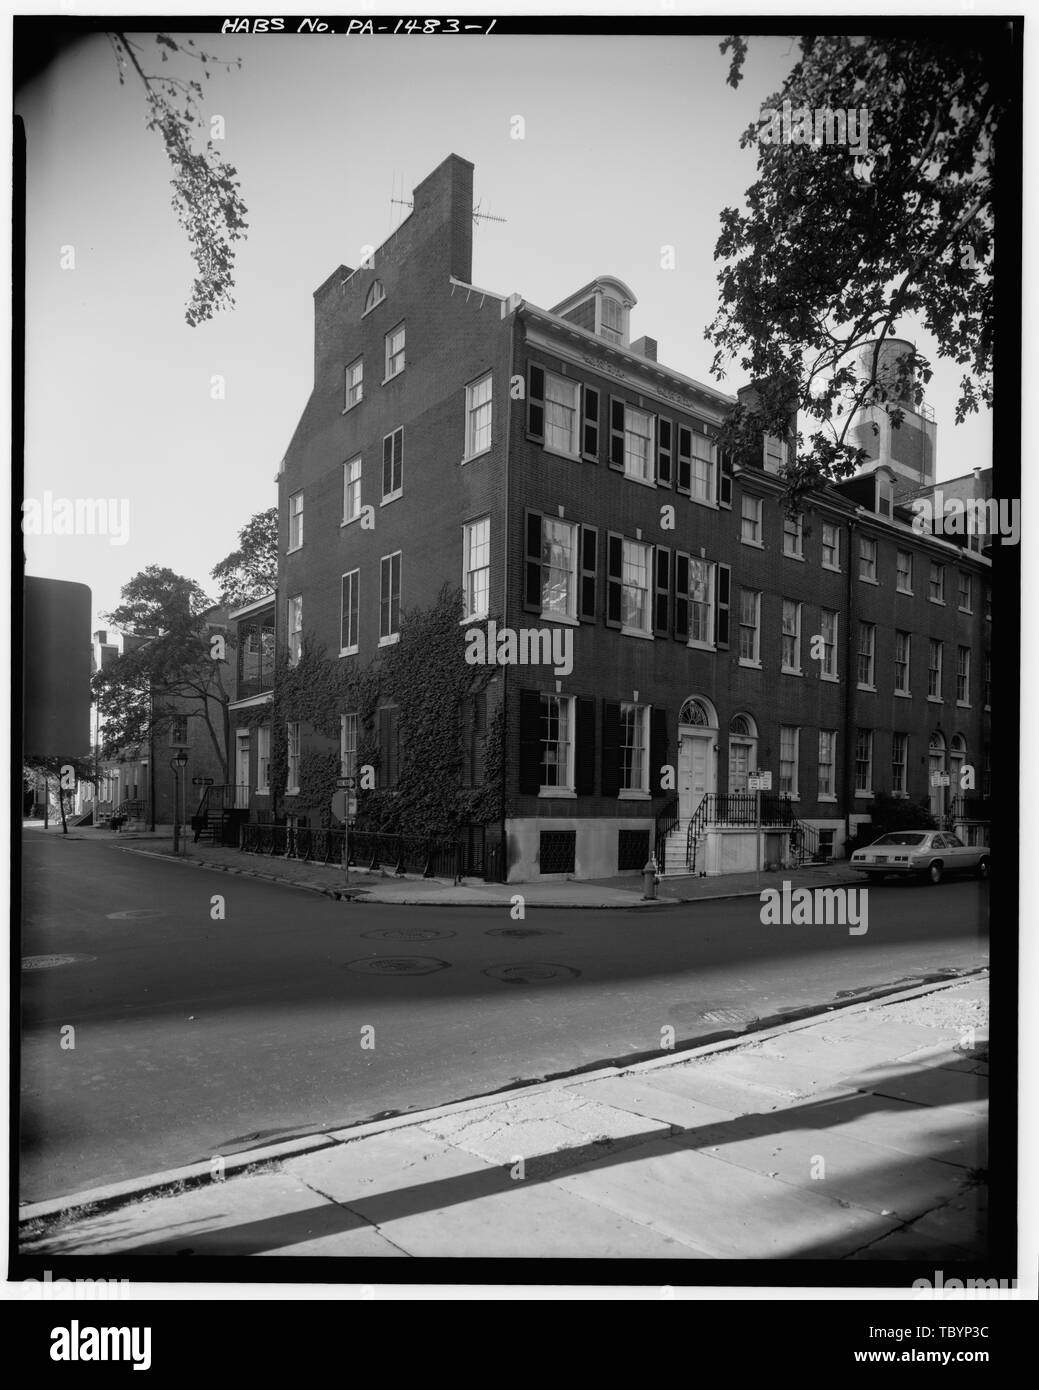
x=350, y=482
x=967, y=607
x=794, y=761
x=295, y=521
x=353, y=383
x=706, y=607
x=348, y=724
x=349, y=648
x=903, y=689
x=647, y=475
x=829, y=670
x=828, y=785
x=790, y=670
x=294, y=628
x=702, y=478
x=292, y=757
x=376, y=294
x=392, y=633
x=564, y=386
x=397, y=491
x=476, y=543
x=899, y=767
x=936, y=567
x=793, y=540
x=633, y=552
x=742, y=627
x=395, y=355
x=477, y=425
x=752, y=521
x=774, y=453
x=868, y=560
x=640, y=725
x=567, y=787
x=263, y=759
x=833, y=545
x=866, y=791
x=907, y=587
x=570, y=611
x=870, y=654
x=935, y=673
x=963, y=677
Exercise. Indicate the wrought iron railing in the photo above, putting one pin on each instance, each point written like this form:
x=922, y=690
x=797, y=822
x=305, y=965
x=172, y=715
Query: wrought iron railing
x=666, y=822
x=403, y=854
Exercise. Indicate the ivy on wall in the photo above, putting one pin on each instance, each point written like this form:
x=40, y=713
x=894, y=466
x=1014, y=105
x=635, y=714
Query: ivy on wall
x=425, y=675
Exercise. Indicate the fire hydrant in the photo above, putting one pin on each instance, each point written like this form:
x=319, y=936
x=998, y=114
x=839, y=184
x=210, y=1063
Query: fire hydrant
x=649, y=879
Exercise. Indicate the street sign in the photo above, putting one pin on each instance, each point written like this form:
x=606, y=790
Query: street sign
x=348, y=782
x=201, y=781
x=341, y=805
x=759, y=782
x=940, y=779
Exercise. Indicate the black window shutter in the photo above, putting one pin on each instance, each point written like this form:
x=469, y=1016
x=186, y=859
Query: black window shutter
x=466, y=713
x=536, y=402
x=724, y=573
x=589, y=571
x=614, y=578
x=584, y=747
x=662, y=591
x=611, y=737
x=657, y=746
x=477, y=735
x=681, y=596
x=532, y=567
x=685, y=459
x=725, y=479
x=590, y=433
x=665, y=432
x=530, y=743
x=388, y=747
x=616, y=433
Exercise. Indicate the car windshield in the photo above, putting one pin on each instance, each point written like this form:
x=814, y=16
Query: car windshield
x=905, y=838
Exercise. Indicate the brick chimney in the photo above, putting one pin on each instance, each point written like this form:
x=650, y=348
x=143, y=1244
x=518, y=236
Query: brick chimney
x=446, y=195
x=646, y=347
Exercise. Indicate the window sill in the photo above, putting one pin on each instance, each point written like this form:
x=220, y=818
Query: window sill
x=389, y=641
x=865, y=579
x=642, y=482
x=757, y=545
x=292, y=791
x=903, y=694
x=864, y=796
x=833, y=680
x=968, y=611
x=636, y=632
x=702, y=646
x=472, y=618
x=900, y=796
x=561, y=454
x=557, y=794
x=939, y=601
x=899, y=590
x=347, y=408
x=373, y=307
x=828, y=798
x=468, y=458
x=791, y=671
x=964, y=704
x=348, y=651
x=387, y=379
x=633, y=796
x=393, y=497
x=789, y=555
x=870, y=689
x=564, y=619
x=349, y=521
x=936, y=699
x=834, y=569
x=753, y=665
x=262, y=791
x=293, y=548
x=705, y=502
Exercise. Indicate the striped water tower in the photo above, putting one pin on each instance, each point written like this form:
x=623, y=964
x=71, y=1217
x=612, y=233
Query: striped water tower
x=908, y=450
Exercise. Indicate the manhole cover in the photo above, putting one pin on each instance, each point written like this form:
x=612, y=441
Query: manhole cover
x=397, y=965
x=533, y=973
x=727, y=1016
x=52, y=962
x=406, y=934
x=134, y=912
x=520, y=931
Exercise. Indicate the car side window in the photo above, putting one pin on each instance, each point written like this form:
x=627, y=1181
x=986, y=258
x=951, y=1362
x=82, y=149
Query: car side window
x=954, y=842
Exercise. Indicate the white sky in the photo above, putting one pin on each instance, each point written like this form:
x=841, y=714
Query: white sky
x=630, y=144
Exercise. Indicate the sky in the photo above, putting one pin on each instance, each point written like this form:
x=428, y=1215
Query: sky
x=629, y=144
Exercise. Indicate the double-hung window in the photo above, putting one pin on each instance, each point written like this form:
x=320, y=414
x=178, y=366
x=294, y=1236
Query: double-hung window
x=827, y=762
x=902, y=640
x=389, y=598
x=966, y=603
x=636, y=563
x=701, y=602
x=828, y=625
x=864, y=761
x=750, y=520
x=791, y=637
x=788, y=744
x=557, y=743
x=295, y=521
x=904, y=572
x=395, y=351
x=558, y=568
x=634, y=746
x=899, y=761
x=348, y=745
x=354, y=383
x=793, y=536
x=831, y=546
x=705, y=467
x=393, y=465
x=934, y=668
x=750, y=626
x=292, y=756
x=352, y=490
x=478, y=416
x=295, y=628
x=476, y=567
x=349, y=608
x=867, y=558
x=562, y=415
x=263, y=758
x=638, y=444
x=936, y=583
x=963, y=676
x=867, y=653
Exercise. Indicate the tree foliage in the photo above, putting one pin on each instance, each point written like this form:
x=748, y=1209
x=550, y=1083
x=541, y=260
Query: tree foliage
x=251, y=571
x=206, y=193
x=171, y=672
x=838, y=243
x=54, y=771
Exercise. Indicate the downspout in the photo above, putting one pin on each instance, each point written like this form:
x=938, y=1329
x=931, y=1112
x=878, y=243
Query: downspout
x=505, y=598
x=849, y=693
x=151, y=757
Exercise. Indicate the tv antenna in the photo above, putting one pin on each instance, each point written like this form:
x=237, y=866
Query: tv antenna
x=478, y=216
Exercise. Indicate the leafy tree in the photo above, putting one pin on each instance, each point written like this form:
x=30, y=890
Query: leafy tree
x=839, y=242
x=206, y=193
x=172, y=672
x=252, y=570
x=889, y=813
x=56, y=770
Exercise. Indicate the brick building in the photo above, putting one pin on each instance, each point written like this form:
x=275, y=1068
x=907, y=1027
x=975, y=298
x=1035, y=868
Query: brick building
x=673, y=629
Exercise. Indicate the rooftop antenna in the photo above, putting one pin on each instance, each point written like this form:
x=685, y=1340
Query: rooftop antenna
x=479, y=216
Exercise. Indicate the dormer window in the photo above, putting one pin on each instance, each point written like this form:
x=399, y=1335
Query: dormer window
x=611, y=320
x=376, y=294
x=775, y=454
x=885, y=498
x=602, y=307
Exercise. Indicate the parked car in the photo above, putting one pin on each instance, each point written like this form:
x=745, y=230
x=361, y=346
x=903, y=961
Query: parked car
x=930, y=854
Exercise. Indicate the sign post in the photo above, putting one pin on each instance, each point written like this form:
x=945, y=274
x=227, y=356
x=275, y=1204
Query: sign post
x=758, y=782
x=341, y=801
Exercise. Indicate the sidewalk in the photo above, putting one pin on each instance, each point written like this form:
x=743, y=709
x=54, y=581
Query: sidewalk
x=622, y=891
x=856, y=1136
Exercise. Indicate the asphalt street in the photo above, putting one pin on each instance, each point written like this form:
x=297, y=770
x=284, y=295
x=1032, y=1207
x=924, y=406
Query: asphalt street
x=195, y=1036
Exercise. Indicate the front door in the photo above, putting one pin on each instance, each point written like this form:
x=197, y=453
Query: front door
x=936, y=765
x=695, y=771
x=241, y=776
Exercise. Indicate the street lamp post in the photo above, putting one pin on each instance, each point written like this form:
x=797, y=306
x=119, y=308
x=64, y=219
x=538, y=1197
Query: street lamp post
x=178, y=764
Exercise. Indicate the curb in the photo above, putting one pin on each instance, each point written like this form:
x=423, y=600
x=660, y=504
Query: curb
x=132, y=1189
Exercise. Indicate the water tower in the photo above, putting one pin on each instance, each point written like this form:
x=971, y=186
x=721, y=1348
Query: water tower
x=908, y=450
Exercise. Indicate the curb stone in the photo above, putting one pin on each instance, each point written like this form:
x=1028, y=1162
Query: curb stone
x=133, y=1189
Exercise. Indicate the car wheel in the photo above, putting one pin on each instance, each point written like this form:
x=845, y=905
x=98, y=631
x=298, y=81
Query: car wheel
x=983, y=868
x=934, y=873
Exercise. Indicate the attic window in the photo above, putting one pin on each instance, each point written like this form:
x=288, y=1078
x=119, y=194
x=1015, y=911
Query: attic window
x=885, y=497
x=376, y=294
x=611, y=320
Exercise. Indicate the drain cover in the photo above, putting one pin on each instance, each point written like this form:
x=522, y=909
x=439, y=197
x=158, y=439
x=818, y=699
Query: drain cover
x=52, y=962
x=397, y=965
x=406, y=934
x=728, y=1016
x=520, y=931
x=134, y=912
x=533, y=973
